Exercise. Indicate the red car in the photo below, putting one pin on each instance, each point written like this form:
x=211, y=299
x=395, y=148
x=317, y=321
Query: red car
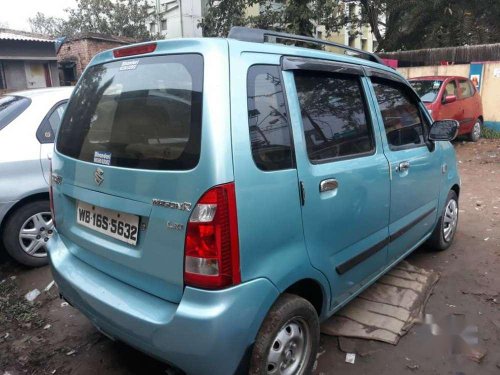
x=452, y=97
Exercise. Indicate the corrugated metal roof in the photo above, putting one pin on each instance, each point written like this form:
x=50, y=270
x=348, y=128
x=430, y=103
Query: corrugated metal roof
x=12, y=36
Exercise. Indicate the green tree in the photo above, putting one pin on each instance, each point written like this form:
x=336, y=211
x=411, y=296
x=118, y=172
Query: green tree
x=115, y=17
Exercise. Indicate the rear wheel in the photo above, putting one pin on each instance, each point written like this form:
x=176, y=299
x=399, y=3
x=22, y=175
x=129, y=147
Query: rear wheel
x=475, y=133
x=27, y=231
x=445, y=230
x=288, y=340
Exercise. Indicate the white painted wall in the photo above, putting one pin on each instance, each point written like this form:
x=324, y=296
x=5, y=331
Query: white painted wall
x=166, y=19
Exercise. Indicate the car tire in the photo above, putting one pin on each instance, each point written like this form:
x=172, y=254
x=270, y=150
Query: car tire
x=446, y=227
x=288, y=337
x=28, y=218
x=475, y=133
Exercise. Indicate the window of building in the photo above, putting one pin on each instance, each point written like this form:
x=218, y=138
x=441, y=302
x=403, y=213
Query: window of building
x=163, y=24
x=402, y=121
x=334, y=117
x=152, y=27
x=270, y=136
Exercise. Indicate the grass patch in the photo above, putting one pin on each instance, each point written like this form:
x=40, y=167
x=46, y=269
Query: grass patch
x=15, y=309
x=489, y=133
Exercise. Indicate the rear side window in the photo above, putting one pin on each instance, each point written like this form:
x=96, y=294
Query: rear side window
x=11, y=107
x=140, y=113
x=333, y=116
x=466, y=90
x=402, y=121
x=269, y=128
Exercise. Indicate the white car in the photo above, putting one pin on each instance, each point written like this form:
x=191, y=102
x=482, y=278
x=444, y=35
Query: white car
x=28, y=123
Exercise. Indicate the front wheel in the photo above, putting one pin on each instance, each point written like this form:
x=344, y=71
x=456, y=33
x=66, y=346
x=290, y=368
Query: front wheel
x=288, y=340
x=445, y=230
x=475, y=133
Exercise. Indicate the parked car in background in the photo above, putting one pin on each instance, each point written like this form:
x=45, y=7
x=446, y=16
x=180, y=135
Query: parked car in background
x=28, y=123
x=452, y=97
x=215, y=199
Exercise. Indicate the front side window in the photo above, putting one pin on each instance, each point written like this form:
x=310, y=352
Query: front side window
x=400, y=113
x=270, y=137
x=142, y=113
x=451, y=89
x=11, y=107
x=48, y=128
x=466, y=90
x=333, y=116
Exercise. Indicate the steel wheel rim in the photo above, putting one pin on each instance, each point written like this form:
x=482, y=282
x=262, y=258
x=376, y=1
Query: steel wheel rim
x=34, y=234
x=450, y=219
x=290, y=350
x=476, y=132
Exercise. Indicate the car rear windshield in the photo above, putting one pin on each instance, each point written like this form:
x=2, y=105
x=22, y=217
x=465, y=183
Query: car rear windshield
x=11, y=107
x=427, y=89
x=140, y=113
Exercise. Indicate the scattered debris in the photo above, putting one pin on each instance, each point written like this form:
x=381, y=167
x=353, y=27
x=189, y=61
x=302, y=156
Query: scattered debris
x=413, y=366
x=350, y=358
x=71, y=352
x=51, y=284
x=47, y=326
x=451, y=306
x=476, y=355
x=32, y=295
x=64, y=304
x=487, y=238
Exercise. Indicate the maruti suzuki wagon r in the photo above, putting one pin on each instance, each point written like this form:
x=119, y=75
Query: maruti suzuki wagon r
x=216, y=199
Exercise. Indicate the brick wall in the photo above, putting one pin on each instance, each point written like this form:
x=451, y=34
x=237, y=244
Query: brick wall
x=81, y=51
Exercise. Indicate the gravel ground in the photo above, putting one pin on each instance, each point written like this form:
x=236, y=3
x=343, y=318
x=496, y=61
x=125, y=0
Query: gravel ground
x=49, y=337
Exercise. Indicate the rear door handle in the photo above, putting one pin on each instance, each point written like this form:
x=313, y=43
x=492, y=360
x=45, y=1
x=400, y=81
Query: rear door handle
x=403, y=166
x=328, y=185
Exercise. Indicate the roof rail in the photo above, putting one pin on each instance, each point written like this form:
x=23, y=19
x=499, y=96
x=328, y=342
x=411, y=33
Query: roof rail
x=247, y=34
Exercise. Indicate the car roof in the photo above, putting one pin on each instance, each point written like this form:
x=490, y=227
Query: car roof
x=430, y=78
x=185, y=44
x=46, y=92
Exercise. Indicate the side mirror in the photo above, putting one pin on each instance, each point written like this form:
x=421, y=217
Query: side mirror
x=449, y=99
x=444, y=130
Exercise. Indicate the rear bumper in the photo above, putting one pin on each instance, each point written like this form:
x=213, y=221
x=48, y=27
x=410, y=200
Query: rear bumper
x=208, y=332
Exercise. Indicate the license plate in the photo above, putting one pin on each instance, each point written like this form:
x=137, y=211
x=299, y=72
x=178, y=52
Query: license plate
x=119, y=225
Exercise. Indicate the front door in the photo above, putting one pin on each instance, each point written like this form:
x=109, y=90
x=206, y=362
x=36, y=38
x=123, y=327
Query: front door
x=450, y=110
x=35, y=75
x=415, y=166
x=343, y=175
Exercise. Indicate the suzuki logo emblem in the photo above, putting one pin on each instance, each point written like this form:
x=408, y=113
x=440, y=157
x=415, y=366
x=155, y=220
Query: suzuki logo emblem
x=99, y=176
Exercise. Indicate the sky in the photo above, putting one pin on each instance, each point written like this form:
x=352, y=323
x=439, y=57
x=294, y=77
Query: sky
x=14, y=14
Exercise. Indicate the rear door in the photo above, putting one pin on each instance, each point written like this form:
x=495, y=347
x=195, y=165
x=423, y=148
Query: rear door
x=342, y=171
x=135, y=151
x=415, y=166
x=467, y=102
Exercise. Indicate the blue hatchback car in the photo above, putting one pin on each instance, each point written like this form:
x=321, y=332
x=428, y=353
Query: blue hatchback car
x=216, y=199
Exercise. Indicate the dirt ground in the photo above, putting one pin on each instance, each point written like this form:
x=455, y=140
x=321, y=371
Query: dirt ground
x=50, y=337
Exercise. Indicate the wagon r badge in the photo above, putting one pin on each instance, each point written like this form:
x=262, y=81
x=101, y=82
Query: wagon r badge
x=99, y=176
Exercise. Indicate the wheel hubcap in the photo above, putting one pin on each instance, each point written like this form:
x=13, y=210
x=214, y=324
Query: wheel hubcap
x=34, y=234
x=290, y=350
x=476, y=132
x=450, y=220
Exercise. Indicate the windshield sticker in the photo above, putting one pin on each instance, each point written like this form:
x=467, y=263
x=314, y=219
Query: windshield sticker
x=129, y=65
x=436, y=85
x=101, y=157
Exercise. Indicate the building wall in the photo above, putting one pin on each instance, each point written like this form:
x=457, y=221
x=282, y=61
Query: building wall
x=165, y=18
x=18, y=49
x=490, y=86
x=81, y=51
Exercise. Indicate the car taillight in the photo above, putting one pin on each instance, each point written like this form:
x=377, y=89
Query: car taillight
x=51, y=194
x=212, y=258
